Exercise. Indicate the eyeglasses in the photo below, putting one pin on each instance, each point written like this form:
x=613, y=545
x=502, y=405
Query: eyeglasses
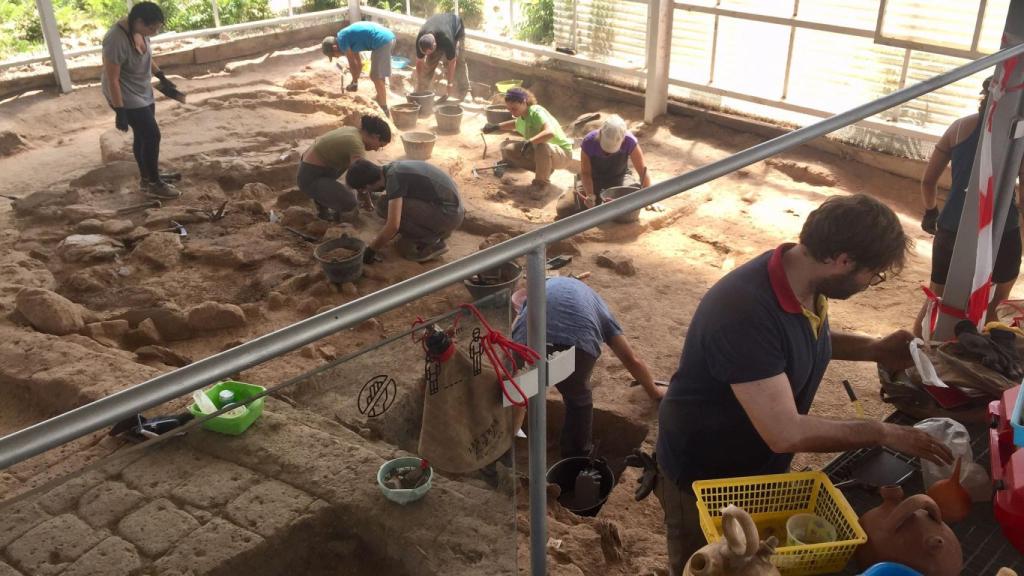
x=877, y=279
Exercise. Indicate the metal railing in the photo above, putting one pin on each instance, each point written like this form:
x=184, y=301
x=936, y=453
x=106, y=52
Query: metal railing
x=106, y=411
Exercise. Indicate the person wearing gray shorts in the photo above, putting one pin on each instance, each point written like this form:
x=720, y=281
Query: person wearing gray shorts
x=364, y=37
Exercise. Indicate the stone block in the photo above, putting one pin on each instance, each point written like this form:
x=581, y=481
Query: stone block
x=112, y=557
x=51, y=546
x=215, y=316
x=206, y=549
x=268, y=507
x=6, y=570
x=161, y=471
x=219, y=483
x=64, y=498
x=107, y=503
x=157, y=527
x=19, y=518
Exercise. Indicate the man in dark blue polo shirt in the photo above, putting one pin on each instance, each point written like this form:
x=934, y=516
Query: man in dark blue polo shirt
x=756, y=351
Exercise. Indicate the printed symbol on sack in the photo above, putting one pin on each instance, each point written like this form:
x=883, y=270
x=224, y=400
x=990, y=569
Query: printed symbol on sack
x=431, y=370
x=476, y=352
x=377, y=395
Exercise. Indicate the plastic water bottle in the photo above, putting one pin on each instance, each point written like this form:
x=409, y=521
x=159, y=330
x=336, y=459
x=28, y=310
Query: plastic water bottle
x=225, y=397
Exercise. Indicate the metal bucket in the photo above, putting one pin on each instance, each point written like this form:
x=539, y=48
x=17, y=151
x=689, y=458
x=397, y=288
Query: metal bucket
x=425, y=100
x=418, y=145
x=565, y=472
x=609, y=194
x=341, y=270
x=405, y=115
x=494, y=281
x=449, y=119
x=497, y=113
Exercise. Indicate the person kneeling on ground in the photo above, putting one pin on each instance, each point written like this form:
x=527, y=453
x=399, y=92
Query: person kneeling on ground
x=545, y=148
x=577, y=316
x=330, y=156
x=442, y=35
x=756, y=351
x=421, y=203
x=364, y=37
x=604, y=163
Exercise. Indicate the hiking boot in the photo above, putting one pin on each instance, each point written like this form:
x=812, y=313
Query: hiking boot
x=423, y=252
x=160, y=189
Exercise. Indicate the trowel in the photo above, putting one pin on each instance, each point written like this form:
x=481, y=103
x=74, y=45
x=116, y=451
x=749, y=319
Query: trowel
x=499, y=169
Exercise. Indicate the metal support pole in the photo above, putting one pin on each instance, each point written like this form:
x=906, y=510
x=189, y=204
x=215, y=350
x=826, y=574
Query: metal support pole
x=1004, y=153
x=714, y=48
x=537, y=338
x=52, y=36
x=659, y=54
x=291, y=9
x=216, y=13
x=789, y=51
x=408, y=8
x=354, y=15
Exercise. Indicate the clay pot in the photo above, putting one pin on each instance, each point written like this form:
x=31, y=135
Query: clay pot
x=739, y=553
x=954, y=502
x=909, y=532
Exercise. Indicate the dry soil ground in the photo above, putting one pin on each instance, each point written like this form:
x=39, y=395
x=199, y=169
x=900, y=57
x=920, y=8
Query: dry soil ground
x=238, y=140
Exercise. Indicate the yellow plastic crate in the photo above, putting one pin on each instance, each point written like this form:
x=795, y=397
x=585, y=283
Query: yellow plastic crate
x=770, y=501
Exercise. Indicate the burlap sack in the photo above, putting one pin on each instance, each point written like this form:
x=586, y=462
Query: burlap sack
x=464, y=426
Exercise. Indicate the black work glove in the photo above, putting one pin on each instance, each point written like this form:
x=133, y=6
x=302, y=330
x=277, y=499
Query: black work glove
x=490, y=128
x=121, y=119
x=649, y=464
x=527, y=145
x=930, y=221
x=168, y=88
x=370, y=256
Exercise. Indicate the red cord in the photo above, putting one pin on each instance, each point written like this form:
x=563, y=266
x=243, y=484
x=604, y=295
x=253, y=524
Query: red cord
x=508, y=347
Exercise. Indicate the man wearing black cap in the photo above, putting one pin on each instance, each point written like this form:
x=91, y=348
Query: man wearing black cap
x=442, y=34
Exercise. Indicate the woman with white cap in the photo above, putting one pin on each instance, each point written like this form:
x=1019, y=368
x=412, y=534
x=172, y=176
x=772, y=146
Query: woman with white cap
x=604, y=163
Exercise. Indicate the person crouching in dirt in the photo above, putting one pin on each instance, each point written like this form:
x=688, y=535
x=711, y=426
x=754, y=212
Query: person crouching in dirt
x=364, y=37
x=128, y=69
x=756, y=351
x=605, y=155
x=577, y=316
x=544, y=148
x=329, y=157
x=420, y=202
x=958, y=145
x=442, y=35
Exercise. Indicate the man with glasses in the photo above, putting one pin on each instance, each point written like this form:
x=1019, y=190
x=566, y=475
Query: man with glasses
x=756, y=351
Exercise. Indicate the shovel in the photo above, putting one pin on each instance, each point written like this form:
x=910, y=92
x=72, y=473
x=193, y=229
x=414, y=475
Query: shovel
x=499, y=169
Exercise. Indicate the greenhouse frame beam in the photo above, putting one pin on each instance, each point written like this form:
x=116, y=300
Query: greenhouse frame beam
x=52, y=35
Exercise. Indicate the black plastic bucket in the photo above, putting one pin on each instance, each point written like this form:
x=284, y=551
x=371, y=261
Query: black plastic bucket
x=341, y=270
x=564, y=473
x=508, y=273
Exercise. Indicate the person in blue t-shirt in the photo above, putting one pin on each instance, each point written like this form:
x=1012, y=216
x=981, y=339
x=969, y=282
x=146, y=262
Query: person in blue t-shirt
x=957, y=146
x=364, y=37
x=577, y=316
x=756, y=351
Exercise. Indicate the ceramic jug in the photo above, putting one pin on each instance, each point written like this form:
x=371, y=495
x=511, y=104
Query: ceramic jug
x=739, y=553
x=909, y=532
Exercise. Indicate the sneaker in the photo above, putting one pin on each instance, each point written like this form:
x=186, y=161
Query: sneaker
x=161, y=189
x=352, y=87
x=170, y=176
x=426, y=252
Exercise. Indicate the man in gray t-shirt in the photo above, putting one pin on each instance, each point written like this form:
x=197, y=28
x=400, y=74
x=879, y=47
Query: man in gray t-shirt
x=421, y=202
x=128, y=69
x=577, y=316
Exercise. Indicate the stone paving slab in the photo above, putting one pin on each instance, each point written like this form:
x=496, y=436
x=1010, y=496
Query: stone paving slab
x=206, y=549
x=156, y=527
x=48, y=548
x=18, y=519
x=107, y=503
x=65, y=497
x=112, y=557
x=219, y=483
x=163, y=468
x=268, y=507
x=6, y=570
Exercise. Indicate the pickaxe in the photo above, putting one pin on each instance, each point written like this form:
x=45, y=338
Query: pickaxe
x=499, y=169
